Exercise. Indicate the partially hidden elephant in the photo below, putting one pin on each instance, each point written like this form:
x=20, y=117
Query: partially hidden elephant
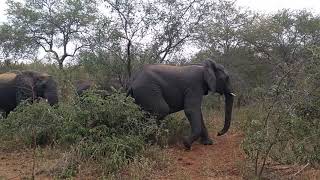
x=83, y=85
x=165, y=89
x=22, y=85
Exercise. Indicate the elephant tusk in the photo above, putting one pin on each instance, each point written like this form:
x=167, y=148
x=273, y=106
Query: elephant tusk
x=233, y=94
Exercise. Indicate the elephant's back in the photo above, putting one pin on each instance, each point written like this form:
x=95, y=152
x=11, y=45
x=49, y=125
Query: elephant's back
x=6, y=78
x=174, y=76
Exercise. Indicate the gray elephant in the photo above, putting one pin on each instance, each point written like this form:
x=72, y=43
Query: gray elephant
x=164, y=89
x=18, y=86
x=83, y=85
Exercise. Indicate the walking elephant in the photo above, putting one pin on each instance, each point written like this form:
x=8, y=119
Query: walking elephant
x=18, y=86
x=164, y=89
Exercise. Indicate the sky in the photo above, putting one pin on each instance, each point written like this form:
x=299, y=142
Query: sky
x=265, y=6
x=269, y=6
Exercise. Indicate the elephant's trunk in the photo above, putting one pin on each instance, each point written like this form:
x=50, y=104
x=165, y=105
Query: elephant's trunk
x=51, y=93
x=52, y=98
x=228, y=112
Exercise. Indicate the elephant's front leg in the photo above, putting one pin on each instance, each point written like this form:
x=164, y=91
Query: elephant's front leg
x=204, y=134
x=194, y=116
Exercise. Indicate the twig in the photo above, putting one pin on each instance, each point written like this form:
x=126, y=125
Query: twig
x=301, y=170
x=34, y=155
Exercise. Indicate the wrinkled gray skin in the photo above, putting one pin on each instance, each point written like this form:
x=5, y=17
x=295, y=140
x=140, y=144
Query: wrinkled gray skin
x=18, y=86
x=165, y=89
x=83, y=85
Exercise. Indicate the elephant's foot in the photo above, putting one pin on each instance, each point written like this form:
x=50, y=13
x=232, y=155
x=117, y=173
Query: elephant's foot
x=206, y=141
x=187, y=143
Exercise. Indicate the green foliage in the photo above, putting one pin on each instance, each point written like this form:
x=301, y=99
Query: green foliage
x=14, y=44
x=273, y=61
x=280, y=135
x=32, y=124
x=172, y=129
x=284, y=125
x=109, y=130
x=50, y=25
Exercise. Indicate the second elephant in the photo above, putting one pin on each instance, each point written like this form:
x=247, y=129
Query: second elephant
x=165, y=89
x=18, y=86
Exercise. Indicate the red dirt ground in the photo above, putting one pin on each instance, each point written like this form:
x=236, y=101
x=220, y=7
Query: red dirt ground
x=18, y=165
x=223, y=160
x=218, y=161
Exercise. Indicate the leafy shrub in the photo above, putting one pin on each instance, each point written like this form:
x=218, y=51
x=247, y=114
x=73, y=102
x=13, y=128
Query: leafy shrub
x=285, y=125
x=111, y=130
x=32, y=124
x=119, y=113
x=172, y=129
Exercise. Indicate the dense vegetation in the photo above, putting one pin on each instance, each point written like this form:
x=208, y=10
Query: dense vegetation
x=274, y=61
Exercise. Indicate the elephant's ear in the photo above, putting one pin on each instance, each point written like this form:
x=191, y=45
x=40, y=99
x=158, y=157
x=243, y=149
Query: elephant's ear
x=41, y=79
x=25, y=87
x=209, y=74
x=210, y=64
x=210, y=78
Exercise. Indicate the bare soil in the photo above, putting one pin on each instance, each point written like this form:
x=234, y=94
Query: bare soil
x=26, y=163
x=225, y=160
x=218, y=161
x=222, y=160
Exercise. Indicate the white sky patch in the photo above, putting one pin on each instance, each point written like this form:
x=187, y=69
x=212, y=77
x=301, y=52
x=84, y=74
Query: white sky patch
x=3, y=7
x=270, y=6
x=262, y=6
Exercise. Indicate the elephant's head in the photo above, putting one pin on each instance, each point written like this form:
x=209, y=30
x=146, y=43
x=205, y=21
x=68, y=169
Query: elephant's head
x=39, y=85
x=218, y=80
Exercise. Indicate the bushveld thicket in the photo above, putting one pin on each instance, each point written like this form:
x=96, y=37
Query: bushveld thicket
x=110, y=130
x=273, y=60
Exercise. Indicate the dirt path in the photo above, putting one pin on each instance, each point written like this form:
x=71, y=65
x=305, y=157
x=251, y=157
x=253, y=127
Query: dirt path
x=223, y=160
x=218, y=161
x=19, y=165
x=15, y=165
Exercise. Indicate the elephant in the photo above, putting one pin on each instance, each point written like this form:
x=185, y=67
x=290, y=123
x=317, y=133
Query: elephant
x=22, y=85
x=165, y=89
x=83, y=85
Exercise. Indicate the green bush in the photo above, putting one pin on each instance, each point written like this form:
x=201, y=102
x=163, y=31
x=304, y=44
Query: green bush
x=172, y=129
x=32, y=124
x=111, y=130
x=284, y=125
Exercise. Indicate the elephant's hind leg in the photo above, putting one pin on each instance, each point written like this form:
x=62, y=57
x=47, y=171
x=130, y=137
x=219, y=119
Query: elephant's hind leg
x=161, y=108
x=152, y=102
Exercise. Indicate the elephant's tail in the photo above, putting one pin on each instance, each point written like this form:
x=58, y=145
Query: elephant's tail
x=129, y=92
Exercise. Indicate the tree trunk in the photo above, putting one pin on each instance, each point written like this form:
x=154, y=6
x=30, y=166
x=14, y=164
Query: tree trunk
x=60, y=65
x=129, y=58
